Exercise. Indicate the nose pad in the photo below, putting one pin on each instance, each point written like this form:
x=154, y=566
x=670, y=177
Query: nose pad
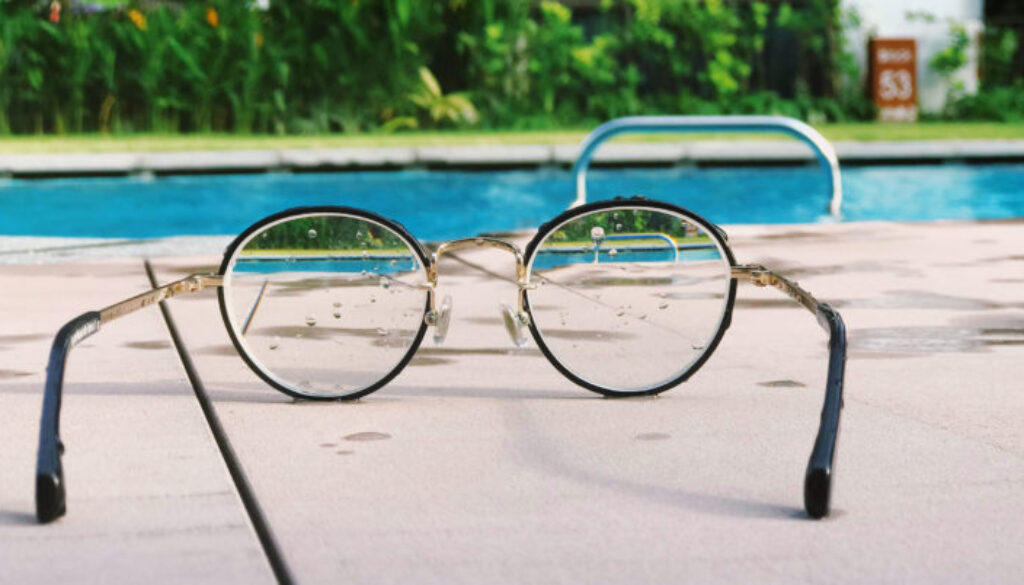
x=444, y=317
x=514, y=322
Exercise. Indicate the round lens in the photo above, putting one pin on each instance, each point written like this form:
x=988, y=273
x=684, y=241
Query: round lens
x=325, y=305
x=628, y=299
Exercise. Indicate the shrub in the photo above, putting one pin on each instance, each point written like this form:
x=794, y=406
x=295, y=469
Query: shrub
x=356, y=65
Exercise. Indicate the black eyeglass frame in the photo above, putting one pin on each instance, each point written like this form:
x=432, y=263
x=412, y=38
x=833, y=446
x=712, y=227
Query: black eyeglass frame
x=50, y=484
x=230, y=255
x=545, y=229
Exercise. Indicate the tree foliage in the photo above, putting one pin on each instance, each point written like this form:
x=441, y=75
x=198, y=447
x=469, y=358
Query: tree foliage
x=319, y=66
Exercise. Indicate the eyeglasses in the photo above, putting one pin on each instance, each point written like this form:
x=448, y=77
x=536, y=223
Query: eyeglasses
x=626, y=297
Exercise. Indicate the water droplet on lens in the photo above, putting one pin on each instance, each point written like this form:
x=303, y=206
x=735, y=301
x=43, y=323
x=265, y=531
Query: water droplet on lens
x=381, y=331
x=597, y=232
x=385, y=283
x=393, y=262
x=362, y=273
x=373, y=299
x=620, y=313
x=337, y=304
x=698, y=346
x=359, y=234
x=663, y=306
x=311, y=234
x=618, y=227
x=310, y=320
x=613, y=252
x=337, y=314
x=275, y=343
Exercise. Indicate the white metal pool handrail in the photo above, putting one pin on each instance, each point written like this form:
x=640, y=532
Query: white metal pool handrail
x=652, y=236
x=823, y=150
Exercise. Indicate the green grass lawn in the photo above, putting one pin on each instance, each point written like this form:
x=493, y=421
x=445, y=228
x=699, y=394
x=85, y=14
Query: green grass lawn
x=91, y=143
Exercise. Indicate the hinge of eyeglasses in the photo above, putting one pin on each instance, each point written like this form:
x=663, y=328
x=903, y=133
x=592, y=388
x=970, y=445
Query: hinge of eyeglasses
x=756, y=274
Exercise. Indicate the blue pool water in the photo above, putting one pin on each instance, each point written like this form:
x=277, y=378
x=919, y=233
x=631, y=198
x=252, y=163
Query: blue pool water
x=449, y=204
x=335, y=264
x=556, y=258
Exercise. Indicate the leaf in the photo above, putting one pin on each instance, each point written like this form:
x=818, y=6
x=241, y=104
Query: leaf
x=785, y=15
x=466, y=109
x=35, y=78
x=403, y=8
x=430, y=82
x=399, y=123
x=186, y=59
x=421, y=99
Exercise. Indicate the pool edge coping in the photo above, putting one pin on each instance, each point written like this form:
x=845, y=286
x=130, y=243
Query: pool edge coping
x=528, y=156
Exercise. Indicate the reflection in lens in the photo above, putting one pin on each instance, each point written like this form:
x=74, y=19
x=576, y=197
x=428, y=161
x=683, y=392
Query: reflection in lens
x=629, y=299
x=326, y=305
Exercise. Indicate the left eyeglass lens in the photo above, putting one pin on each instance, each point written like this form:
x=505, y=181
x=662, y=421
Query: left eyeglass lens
x=629, y=299
x=326, y=305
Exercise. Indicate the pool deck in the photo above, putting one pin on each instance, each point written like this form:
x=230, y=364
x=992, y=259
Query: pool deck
x=481, y=464
x=732, y=152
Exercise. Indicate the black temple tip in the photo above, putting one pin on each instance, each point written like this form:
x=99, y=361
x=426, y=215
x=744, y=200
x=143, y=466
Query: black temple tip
x=50, y=501
x=817, y=492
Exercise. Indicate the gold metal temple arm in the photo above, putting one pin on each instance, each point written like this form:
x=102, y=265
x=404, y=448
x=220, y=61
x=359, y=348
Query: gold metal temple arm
x=50, y=490
x=818, y=480
x=190, y=284
x=761, y=276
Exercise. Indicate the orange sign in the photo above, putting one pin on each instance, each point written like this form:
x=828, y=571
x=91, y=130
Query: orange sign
x=894, y=78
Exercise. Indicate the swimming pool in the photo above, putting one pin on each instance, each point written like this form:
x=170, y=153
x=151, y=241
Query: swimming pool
x=449, y=204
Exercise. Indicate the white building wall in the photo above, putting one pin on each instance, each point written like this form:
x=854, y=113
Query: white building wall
x=889, y=18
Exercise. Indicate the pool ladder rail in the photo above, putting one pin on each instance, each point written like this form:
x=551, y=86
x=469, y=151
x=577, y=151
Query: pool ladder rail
x=822, y=148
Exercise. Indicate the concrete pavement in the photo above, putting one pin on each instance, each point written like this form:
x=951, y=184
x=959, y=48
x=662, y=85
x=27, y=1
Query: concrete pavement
x=480, y=463
x=151, y=499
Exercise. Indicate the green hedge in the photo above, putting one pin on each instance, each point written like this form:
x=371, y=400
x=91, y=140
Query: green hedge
x=310, y=66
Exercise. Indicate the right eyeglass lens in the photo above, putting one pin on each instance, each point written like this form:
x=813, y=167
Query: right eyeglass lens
x=629, y=299
x=326, y=304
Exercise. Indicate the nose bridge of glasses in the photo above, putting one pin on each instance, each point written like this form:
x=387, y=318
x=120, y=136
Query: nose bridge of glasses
x=513, y=319
x=472, y=243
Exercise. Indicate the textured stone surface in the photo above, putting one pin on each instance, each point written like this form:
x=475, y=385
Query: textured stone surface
x=149, y=498
x=481, y=464
x=488, y=466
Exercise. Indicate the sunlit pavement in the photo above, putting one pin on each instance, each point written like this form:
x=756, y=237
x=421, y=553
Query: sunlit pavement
x=481, y=464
